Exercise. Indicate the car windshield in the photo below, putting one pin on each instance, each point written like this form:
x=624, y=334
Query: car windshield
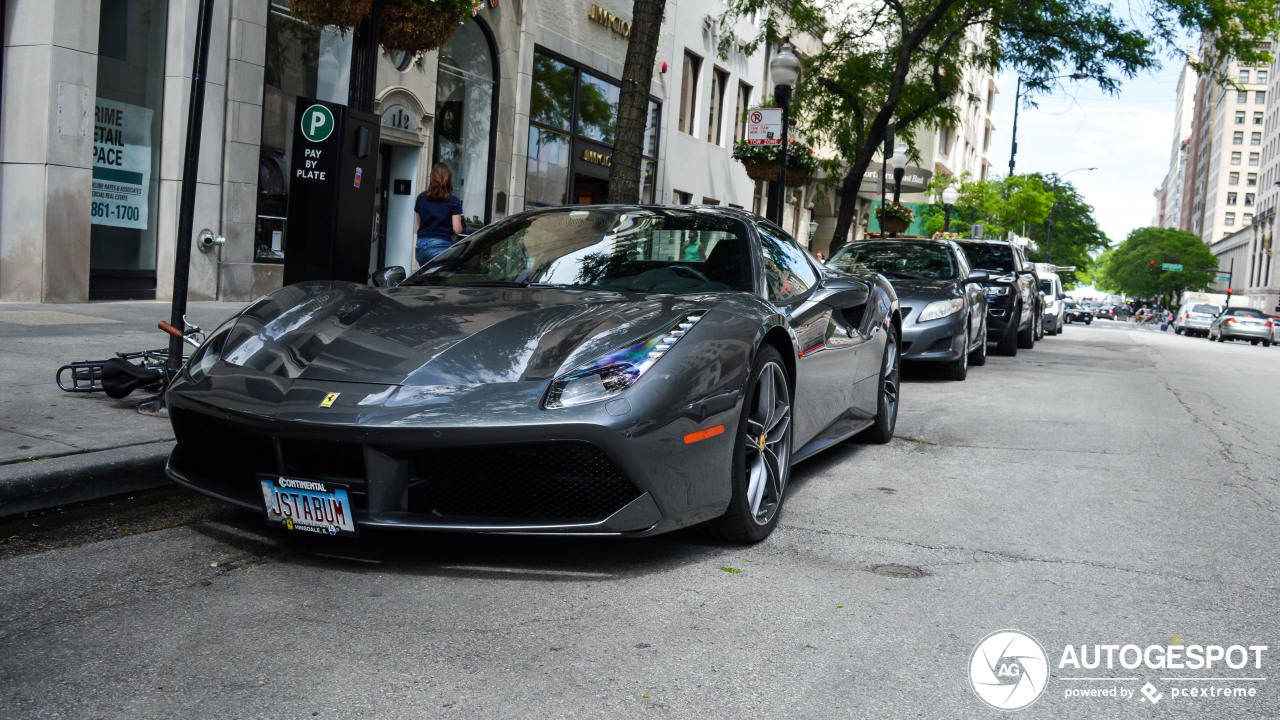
x=995, y=257
x=903, y=260
x=651, y=250
x=1206, y=309
x=1070, y=304
x=1245, y=312
x=1046, y=287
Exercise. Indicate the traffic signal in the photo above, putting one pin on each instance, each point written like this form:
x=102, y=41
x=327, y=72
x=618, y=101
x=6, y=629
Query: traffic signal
x=1151, y=265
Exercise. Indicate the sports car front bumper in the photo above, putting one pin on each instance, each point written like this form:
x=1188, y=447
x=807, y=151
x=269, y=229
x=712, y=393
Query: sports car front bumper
x=484, y=458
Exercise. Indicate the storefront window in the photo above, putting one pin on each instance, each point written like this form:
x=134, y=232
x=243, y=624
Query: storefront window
x=126, y=157
x=300, y=61
x=574, y=167
x=464, y=117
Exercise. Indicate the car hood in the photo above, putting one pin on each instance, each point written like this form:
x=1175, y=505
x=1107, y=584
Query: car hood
x=909, y=290
x=342, y=332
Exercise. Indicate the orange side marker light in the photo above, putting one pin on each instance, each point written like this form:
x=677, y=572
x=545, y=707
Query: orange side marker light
x=694, y=437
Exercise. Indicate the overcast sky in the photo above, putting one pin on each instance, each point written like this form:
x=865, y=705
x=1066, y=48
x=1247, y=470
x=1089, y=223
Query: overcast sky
x=1127, y=137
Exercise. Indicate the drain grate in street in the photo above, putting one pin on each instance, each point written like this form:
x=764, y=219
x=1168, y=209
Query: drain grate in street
x=904, y=572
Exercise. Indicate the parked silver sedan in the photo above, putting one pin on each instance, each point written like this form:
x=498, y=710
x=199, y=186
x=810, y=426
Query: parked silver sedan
x=1242, y=324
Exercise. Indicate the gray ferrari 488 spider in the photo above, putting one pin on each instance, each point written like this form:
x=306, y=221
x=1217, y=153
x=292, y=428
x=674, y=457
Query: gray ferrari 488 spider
x=602, y=369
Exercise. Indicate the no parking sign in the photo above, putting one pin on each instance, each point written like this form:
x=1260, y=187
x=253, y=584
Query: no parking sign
x=764, y=126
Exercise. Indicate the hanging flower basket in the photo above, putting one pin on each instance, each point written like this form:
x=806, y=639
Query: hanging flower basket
x=895, y=217
x=345, y=14
x=421, y=25
x=896, y=225
x=768, y=172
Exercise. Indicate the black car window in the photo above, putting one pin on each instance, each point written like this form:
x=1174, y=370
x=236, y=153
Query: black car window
x=898, y=260
x=627, y=250
x=1046, y=286
x=788, y=274
x=1208, y=309
x=990, y=256
x=1245, y=312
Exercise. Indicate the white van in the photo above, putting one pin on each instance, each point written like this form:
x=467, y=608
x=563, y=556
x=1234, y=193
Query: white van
x=1051, y=291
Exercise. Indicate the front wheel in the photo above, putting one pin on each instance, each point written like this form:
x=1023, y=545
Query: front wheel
x=881, y=430
x=761, y=454
x=1027, y=338
x=958, y=369
x=978, y=356
x=1038, y=324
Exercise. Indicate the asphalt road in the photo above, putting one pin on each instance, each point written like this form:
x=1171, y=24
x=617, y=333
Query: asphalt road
x=1111, y=486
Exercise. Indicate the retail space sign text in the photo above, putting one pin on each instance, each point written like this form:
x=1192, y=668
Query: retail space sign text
x=121, y=164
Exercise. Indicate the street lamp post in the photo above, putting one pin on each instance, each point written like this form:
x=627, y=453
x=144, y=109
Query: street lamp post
x=899, y=161
x=949, y=197
x=785, y=70
x=1017, y=102
x=1048, y=228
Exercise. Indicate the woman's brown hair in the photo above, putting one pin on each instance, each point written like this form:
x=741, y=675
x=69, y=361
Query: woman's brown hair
x=441, y=186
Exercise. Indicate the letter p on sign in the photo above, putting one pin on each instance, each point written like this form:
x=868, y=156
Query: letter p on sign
x=317, y=123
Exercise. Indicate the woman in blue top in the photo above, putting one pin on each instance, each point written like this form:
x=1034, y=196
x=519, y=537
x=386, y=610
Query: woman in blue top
x=439, y=215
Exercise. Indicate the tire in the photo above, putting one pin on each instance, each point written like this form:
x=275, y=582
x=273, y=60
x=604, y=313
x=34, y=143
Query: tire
x=1251, y=342
x=1266, y=343
x=766, y=462
x=1027, y=338
x=1058, y=331
x=978, y=357
x=958, y=369
x=1038, y=325
x=1220, y=338
x=1176, y=330
x=886, y=420
x=1086, y=322
x=1008, y=345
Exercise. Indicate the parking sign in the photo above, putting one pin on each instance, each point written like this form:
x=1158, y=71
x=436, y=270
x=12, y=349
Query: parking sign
x=764, y=126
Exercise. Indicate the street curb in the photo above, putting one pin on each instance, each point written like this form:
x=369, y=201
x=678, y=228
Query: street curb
x=44, y=484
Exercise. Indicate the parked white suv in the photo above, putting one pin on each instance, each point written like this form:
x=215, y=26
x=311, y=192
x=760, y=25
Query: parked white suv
x=1193, y=318
x=1051, y=291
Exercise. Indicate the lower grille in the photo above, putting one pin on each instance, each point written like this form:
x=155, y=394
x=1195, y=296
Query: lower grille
x=940, y=345
x=555, y=481
x=221, y=453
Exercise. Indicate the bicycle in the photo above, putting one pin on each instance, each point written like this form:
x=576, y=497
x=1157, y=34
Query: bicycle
x=119, y=376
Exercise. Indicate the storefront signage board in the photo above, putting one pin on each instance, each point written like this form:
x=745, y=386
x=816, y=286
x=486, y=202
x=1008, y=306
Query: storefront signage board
x=121, y=164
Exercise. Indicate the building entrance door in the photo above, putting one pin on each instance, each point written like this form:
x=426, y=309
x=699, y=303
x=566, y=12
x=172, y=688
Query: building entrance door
x=397, y=191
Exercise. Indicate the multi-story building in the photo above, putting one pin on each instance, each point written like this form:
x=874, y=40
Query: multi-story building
x=521, y=102
x=1169, y=195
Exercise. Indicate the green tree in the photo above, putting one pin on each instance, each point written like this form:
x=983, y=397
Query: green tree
x=903, y=61
x=1016, y=203
x=1075, y=235
x=1127, y=268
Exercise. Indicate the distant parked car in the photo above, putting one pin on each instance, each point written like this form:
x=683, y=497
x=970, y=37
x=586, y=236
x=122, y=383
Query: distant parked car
x=1053, y=299
x=1014, y=312
x=943, y=306
x=1243, y=324
x=1105, y=312
x=1074, y=312
x=1194, y=319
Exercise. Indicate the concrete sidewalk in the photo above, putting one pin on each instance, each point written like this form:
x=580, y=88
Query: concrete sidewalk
x=56, y=447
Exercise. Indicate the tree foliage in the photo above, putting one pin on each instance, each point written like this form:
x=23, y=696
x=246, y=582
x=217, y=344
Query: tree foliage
x=903, y=61
x=1075, y=235
x=1127, y=268
x=1009, y=204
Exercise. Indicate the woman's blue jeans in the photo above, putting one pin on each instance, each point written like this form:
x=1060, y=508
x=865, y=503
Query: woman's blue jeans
x=429, y=247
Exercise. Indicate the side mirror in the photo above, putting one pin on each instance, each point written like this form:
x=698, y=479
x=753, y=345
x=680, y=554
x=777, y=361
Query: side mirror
x=978, y=276
x=388, y=276
x=1061, y=296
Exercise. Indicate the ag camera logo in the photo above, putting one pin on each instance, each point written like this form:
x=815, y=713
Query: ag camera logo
x=1008, y=670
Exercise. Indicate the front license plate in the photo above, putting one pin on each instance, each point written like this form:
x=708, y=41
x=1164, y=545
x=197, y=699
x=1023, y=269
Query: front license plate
x=307, y=505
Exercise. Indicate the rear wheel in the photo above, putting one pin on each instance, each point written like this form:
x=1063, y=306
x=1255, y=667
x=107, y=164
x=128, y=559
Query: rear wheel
x=881, y=430
x=1008, y=345
x=1038, y=324
x=761, y=454
x=978, y=356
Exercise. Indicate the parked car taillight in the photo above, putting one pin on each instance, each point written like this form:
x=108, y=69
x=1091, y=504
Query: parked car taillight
x=1231, y=319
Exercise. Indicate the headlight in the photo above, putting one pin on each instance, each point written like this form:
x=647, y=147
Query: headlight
x=999, y=290
x=607, y=376
x=202, y=360
x=940, y=309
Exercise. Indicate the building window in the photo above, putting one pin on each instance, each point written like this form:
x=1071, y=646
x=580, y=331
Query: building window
x=1242, y=96
x=1237, y=137
x=1252, y=180
x=1244, y=76
x=715, y=116
x=1260, y=98
x=1262, y=77
x=572, y=124
x=1255, y=138
x=1257, y=118
x=1233, y=178
x=679, y=197
x=1230, y=219
x=1254, y=159
x=689, y=91
x=1239, y=117
x=465, y=111
x=1231, y=198
x=1248, y=199
x=1248, y=218
x=1235, y=158
x=740, y=119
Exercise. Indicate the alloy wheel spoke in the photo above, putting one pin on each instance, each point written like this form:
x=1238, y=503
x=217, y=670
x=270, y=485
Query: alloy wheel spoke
x=756, y=480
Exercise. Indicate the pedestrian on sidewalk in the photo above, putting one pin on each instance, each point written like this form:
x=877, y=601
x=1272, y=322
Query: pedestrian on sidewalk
x=438, y=213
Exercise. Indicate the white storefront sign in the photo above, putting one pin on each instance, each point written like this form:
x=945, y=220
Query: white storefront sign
x=764, y=126
x=121, y=164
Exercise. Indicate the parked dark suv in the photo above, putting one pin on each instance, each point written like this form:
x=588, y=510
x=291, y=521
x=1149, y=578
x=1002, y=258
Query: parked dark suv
x=1014, y=312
